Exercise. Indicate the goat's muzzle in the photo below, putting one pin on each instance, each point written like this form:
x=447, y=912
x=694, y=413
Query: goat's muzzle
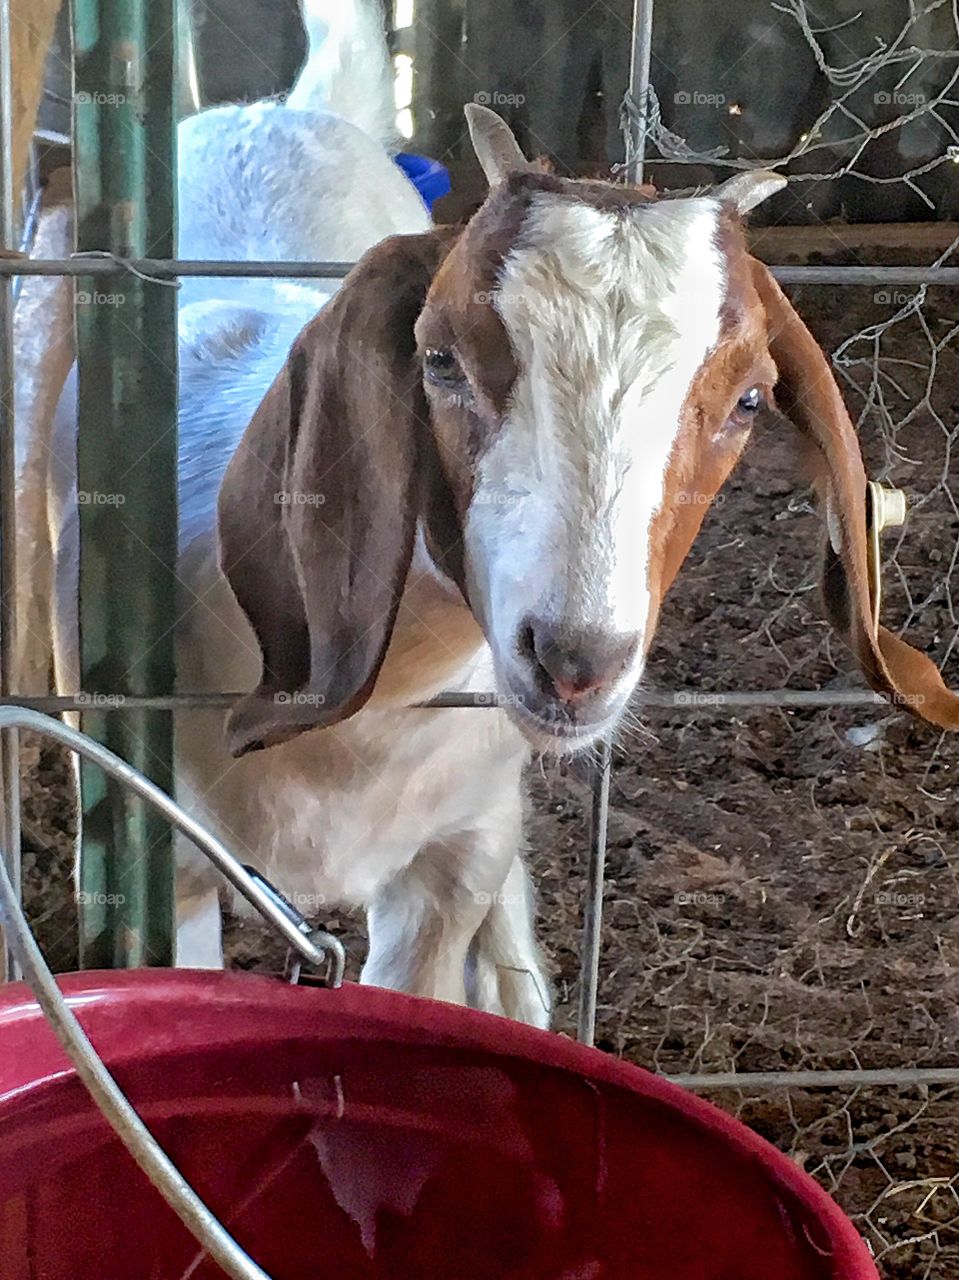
x=569, y=684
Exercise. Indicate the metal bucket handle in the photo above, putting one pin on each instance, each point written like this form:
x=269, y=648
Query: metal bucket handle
x=314, y=948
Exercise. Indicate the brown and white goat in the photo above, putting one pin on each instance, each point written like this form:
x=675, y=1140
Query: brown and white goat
x=494, y=448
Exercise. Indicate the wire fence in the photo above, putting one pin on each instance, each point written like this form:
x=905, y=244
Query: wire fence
x=802, y=919
x=829, y=847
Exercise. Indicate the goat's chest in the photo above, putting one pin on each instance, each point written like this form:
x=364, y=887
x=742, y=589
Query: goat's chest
x=334, y=814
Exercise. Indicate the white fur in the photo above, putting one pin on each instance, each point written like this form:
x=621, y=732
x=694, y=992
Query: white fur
x=610, y=316
x=413, y=815
x=348, y=71
x=266, y=181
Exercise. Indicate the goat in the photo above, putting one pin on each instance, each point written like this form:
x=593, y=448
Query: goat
x=480, y=466
x=483, y=465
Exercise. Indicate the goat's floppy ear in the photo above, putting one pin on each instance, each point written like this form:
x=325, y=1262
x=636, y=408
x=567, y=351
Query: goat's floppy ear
x=807, y=392
x=318, y=508
x=496, y=149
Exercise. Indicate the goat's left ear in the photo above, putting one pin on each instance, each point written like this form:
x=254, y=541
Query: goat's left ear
x=496, y=148
x=807, y=392
x=319, y=506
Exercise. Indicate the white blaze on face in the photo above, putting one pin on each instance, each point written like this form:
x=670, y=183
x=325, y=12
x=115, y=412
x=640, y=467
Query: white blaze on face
x=610, y=315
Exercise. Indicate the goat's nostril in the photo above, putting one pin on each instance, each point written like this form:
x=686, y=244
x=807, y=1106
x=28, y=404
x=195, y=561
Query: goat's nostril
x=526, y=642
x=574, y=663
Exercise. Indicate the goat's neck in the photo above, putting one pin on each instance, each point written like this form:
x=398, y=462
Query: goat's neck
x=437, y=643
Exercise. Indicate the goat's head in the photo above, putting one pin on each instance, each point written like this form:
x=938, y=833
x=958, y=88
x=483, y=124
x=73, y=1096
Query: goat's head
x=554, y=396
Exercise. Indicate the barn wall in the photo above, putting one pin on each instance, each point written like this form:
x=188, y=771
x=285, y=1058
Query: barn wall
x=737, y=75
x=247, y=49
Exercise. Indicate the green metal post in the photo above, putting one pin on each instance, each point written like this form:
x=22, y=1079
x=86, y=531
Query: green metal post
x=126, y=332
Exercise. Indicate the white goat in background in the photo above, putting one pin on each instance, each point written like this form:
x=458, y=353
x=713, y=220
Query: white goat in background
x=308, y=179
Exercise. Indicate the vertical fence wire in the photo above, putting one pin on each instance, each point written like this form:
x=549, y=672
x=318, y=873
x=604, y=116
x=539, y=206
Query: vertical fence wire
x=591, y=946
x=9, y=744
x=640, y=56
x=641, y=52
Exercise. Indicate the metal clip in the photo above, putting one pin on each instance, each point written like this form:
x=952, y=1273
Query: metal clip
x=885, y=509
x=330, y=946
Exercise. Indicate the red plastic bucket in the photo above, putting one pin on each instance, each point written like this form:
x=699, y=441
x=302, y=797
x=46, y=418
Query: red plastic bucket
x=360, y=1133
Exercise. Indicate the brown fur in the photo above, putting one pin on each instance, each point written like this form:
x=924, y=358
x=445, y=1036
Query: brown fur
x=808, y=393
x=344, y=432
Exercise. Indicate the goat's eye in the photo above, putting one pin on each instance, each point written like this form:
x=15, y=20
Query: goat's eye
x=750, y=401
x=441, y=367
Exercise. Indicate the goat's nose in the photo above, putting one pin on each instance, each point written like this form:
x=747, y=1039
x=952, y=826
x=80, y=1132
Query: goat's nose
x=575, y=662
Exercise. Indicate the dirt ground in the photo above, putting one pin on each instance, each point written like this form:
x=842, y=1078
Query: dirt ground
x=782, y=886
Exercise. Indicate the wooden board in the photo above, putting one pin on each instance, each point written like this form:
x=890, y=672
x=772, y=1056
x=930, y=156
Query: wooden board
x=788, y=244
x=32, y=23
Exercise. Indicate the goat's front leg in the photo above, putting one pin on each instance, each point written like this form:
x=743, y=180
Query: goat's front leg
x=199, y=936
x=422, y=922
x=457, y=924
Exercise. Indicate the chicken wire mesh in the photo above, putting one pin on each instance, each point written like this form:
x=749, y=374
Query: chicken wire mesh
x=872, y=1150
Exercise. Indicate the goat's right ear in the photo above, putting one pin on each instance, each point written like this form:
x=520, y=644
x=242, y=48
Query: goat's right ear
x=807, y=392
x=319, y=505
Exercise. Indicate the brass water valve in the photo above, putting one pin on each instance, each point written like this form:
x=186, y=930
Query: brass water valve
x=886, y=509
